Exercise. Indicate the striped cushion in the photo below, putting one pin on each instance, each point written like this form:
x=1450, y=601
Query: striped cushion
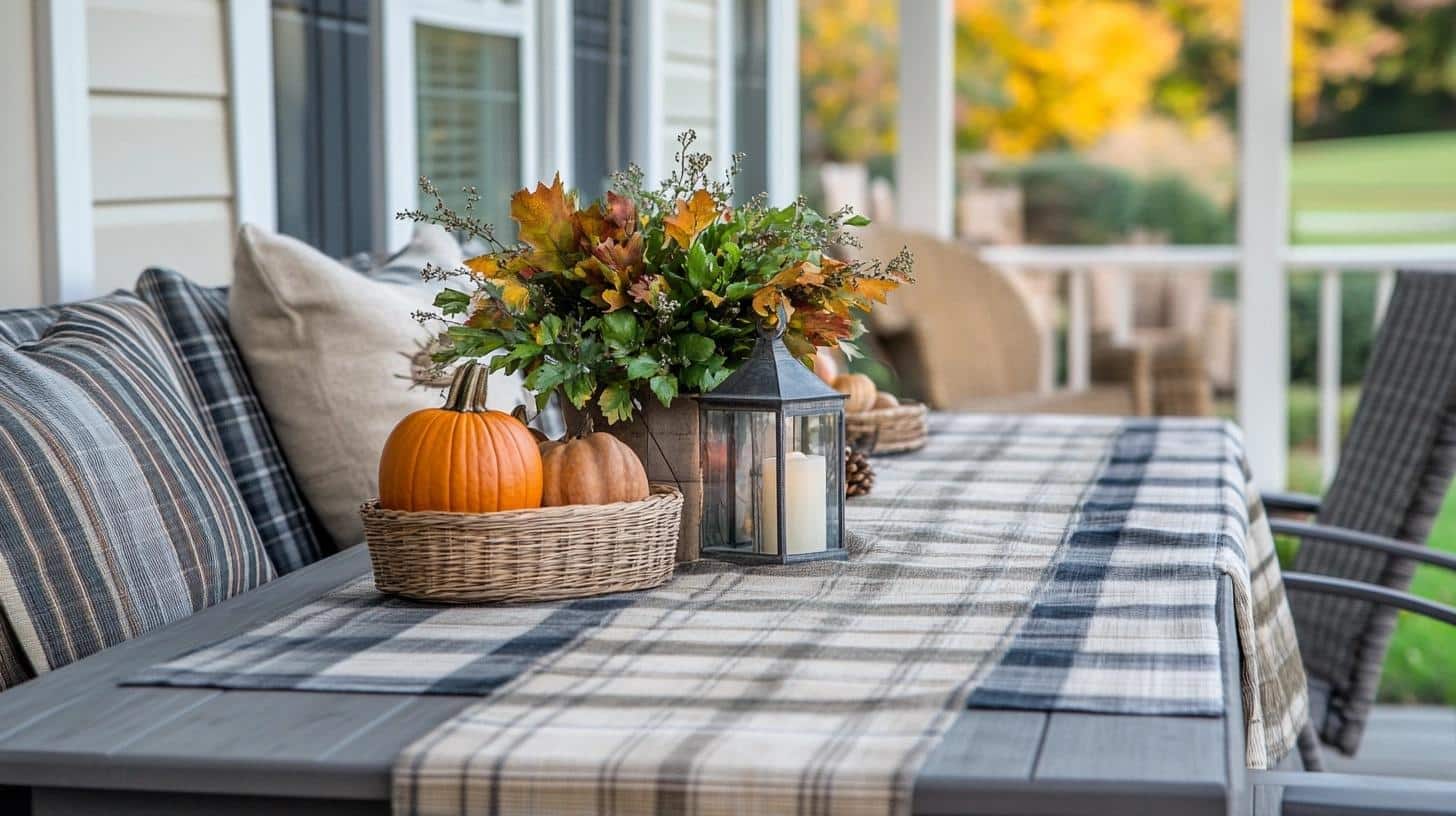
x=117, y=511
x=24, y=325
x=19, y=326
x=196, y=318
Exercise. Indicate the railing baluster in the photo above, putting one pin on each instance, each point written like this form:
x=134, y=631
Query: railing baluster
x=1124, y=291
x=1329, y=373
x=1384, y=285
x=1079, y=331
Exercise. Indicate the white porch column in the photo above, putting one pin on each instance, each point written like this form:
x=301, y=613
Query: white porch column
x=64, y=151
x=554, y=55
x=250, y=103
x=1264, y=131
x=925, y=164
x=783, y=101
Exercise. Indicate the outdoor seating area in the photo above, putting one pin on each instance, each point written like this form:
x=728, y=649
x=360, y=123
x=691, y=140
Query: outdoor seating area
x=445, y=407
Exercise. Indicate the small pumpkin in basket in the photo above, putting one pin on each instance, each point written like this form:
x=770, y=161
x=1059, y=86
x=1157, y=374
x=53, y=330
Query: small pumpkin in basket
x=462, y=458
x=861, y=390
x=591, y=468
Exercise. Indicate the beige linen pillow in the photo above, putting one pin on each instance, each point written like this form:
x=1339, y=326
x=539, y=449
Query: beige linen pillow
x=326, y=348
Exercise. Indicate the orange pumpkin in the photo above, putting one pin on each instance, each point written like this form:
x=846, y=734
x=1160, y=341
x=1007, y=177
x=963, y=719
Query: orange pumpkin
x=461, y=458
x=827, y=364
x=885, y=399
x=861, y=390
x=594, y=468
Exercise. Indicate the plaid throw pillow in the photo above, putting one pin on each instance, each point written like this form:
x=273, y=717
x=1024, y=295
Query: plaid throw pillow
x=196, y=317
x=118, y=514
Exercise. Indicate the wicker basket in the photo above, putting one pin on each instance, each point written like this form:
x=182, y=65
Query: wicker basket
x=524, y=555
x=895, y=430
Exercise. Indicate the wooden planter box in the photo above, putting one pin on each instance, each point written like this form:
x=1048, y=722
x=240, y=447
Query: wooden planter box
x=666, y=440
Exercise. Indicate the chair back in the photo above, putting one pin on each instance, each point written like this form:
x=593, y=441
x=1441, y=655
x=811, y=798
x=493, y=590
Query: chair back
x=963, y=330
x=1395, y=467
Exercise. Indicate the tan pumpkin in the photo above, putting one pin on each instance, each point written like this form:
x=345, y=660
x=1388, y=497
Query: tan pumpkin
x=594, y=468
x=885, y=399
x=827, y=364
x=861, y=390
x=461, y=458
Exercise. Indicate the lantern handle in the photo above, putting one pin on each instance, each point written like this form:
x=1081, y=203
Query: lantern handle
x=777, y=330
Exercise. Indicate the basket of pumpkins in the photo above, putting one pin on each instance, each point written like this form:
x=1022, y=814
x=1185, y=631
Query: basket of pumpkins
x=476, y=507
x=896, y=426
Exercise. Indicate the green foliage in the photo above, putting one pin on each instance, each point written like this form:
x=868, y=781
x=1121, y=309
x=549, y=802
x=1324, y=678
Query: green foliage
x=1357, y=319
x=1169, y=205
x=1068, y=200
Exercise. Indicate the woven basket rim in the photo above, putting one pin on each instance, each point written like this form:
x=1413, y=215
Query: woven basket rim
x=904, y=410
x=577, y=512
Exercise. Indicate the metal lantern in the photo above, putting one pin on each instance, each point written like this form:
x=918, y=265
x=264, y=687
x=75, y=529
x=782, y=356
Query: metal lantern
x=773, y=461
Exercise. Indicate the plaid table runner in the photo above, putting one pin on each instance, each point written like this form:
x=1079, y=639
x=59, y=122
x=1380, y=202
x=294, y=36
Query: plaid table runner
x=1040, y=563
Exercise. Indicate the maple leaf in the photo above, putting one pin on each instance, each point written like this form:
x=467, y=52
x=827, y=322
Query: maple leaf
x=767, y=301
x=691, y=218
x=874, y=288
x=483, y=267
x=625, y=256
x=713, y=297
x=591, y=226
x=823, y=328
x=802, y=273
x=621, y=215
x=615, y=300
x=545, y=219
x=647, y=288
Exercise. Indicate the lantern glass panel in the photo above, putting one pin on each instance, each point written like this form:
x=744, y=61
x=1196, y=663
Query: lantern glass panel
x=812, y=479
x=735, y=446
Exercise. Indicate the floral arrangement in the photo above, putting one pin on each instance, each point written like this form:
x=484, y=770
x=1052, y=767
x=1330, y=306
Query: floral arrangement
x=658, y=290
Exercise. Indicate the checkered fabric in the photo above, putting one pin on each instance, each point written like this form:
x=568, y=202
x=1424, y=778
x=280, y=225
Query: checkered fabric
x=196, y=318
x=1039, y=563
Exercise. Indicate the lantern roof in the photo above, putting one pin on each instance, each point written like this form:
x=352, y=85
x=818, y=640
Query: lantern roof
x=771, y=374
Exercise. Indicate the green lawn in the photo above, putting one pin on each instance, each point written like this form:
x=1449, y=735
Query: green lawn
x=1419, y=667
x=1397, y=173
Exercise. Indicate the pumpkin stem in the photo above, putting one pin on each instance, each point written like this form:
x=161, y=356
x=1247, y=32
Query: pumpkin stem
x=587, y=425
x=467, y=389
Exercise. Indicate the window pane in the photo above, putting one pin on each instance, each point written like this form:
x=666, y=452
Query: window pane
x=469, y=113
x=602, y=102
x=750, y=114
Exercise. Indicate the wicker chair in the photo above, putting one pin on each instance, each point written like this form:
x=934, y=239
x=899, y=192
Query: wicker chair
x=1357, y=557
x=969, y=337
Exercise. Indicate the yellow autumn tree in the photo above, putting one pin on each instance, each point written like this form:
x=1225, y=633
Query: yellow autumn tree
x=847, y=69
x=1043, y=72
x=1035, y=74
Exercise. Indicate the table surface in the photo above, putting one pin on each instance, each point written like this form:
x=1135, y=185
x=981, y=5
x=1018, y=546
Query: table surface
x=83, y=744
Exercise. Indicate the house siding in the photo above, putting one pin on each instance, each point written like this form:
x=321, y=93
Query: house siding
x=21, y=282
x=161, y=164
x=689, y=75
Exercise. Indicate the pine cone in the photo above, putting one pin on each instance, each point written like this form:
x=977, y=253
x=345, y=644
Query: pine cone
x=859, y=477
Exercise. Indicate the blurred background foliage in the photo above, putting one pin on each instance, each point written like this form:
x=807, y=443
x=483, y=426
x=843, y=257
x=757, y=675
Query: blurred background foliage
x=1038, y=74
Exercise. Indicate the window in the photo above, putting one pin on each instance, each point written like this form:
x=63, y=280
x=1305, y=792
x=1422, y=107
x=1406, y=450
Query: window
x=459, y=100
x=602, y=82
x=750, y=95
x=469, y=117
x=324, y=109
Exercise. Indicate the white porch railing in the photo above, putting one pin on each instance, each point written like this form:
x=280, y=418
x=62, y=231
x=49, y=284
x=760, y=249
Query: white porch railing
x=1331, y=262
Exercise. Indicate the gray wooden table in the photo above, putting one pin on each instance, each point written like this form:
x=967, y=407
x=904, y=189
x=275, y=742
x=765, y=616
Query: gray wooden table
x=74, y=742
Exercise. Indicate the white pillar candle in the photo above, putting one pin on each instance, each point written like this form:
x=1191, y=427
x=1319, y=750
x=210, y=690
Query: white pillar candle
x=806, y=508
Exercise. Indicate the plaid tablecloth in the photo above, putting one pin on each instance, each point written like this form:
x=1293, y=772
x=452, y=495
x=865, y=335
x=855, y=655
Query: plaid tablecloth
x=1040, y=563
